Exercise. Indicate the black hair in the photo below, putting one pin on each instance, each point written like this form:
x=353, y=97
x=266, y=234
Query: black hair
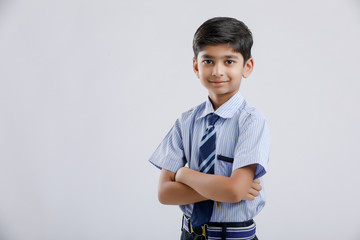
x=221, y=30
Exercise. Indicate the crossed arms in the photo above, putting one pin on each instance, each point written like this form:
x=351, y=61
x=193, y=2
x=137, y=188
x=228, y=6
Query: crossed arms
x=189, y=186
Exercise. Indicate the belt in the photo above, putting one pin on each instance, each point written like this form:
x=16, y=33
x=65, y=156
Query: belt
x=220, y=230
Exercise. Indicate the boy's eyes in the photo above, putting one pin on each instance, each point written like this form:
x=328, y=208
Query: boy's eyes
x=229, y=62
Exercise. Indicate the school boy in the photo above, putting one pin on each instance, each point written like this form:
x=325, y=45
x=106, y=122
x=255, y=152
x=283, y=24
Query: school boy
x=214, y=156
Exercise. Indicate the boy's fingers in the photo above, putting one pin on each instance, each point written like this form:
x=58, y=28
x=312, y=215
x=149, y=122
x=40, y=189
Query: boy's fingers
x=257, y=181
x=253, y=192
x=256, y=186
x=249, y=197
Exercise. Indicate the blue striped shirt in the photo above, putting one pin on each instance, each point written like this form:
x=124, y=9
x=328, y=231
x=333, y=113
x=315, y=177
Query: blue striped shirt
x=242, y=138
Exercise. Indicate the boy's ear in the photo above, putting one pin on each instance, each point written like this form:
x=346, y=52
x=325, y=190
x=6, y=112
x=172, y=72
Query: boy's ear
x=195, y=67
x=248, y=68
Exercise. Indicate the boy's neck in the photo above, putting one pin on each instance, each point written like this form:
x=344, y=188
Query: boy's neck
x=218, y=100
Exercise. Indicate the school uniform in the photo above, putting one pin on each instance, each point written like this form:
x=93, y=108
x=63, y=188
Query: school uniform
x=242, y=138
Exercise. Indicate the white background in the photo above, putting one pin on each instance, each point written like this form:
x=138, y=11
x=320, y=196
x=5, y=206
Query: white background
x=88, y=89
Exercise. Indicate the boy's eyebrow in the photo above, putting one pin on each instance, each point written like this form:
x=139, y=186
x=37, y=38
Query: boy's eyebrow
x=226, y=56
x=231, y=56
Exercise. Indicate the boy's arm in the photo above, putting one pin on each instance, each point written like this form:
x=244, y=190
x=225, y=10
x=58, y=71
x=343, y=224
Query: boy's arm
x=219, y=188
x=176, y=193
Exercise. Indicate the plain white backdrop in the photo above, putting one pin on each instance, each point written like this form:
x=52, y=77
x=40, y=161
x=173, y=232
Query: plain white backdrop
x=88, y=89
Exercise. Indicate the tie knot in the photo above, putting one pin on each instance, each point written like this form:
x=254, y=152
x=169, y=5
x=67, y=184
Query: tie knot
x=212, y=119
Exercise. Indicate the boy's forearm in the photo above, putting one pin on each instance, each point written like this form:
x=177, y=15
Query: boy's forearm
x=216, y=187
x=175, y=193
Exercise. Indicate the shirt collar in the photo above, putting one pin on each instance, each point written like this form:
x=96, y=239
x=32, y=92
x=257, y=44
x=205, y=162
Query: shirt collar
x=227, y=110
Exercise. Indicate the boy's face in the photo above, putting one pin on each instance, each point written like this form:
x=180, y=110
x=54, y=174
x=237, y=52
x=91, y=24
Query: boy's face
x=220, y=70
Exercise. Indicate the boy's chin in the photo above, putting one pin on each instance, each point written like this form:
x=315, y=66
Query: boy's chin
x=223, y=92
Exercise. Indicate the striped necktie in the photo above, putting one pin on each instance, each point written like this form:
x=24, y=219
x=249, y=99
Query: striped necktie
x=203, y=210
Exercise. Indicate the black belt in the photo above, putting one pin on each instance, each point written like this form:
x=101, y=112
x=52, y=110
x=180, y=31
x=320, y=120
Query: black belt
x=231, y=224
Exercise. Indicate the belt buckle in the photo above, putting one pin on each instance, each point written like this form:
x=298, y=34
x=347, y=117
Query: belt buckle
x=203, y=230
x=191, y=229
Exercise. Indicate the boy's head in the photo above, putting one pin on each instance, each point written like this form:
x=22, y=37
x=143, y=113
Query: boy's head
x=222, y=48
x=220, y=30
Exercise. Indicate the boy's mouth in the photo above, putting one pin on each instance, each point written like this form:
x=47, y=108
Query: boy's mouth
x=218, y=81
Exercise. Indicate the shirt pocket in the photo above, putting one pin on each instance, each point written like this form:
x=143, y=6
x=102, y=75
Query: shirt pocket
x=224, y=165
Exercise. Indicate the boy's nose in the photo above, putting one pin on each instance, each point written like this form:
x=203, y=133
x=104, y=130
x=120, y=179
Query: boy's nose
x=218, y=70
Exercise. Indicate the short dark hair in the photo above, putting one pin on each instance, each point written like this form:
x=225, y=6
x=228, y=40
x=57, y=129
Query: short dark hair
x=221, y=30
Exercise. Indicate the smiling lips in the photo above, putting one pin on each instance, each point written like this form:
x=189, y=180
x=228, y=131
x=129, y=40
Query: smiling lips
x=217, y=82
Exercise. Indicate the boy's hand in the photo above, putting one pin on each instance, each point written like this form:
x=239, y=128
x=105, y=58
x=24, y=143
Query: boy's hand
x=254, y=190
x=180, y=174
x=174, y=193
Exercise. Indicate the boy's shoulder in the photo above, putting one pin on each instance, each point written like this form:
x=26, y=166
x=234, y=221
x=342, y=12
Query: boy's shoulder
x=192, y=113
x=250, y=115
x=251, y=111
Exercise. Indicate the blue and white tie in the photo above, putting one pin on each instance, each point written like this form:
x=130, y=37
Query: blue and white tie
x=203, y=210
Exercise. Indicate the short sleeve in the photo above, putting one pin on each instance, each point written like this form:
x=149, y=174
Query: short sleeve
x=253, y=146
x=170, y=153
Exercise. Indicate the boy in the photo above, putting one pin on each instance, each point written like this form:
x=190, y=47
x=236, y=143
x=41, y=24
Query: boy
x=225, y=142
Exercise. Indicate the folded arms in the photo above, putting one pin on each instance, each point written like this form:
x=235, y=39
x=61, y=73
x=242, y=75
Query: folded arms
x=189, y=186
